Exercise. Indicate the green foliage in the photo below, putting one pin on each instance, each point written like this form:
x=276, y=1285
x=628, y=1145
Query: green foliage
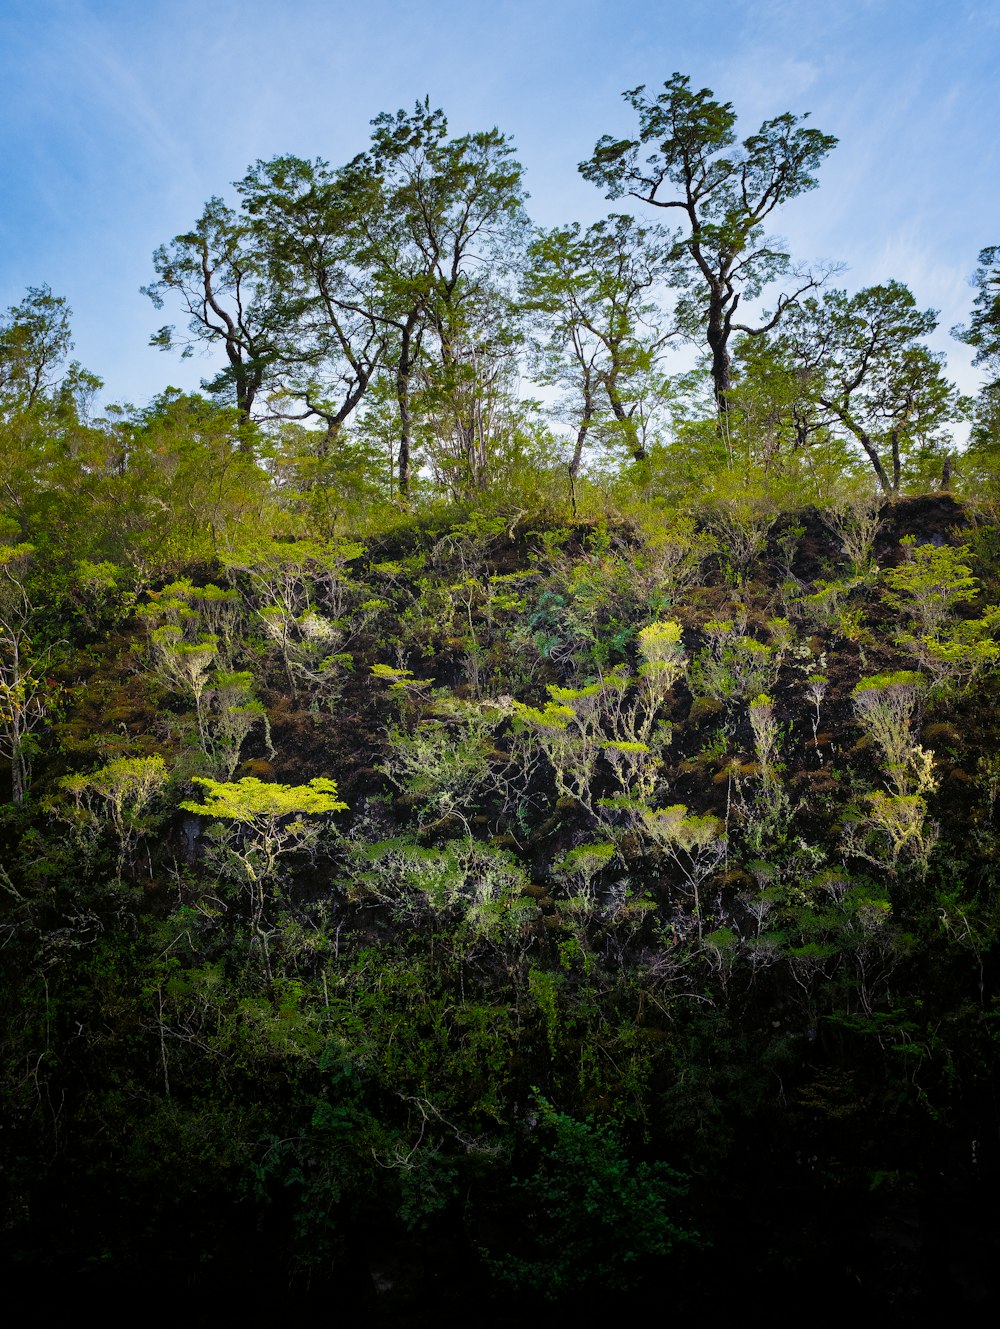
x=615, y=718
x=983, y=332
x=886, y=706
x=868, y=376
x=322, y=1165
x=732, y=666
x=928, y=587
x=833, y=605
x=400, y=680
x=931, y=581
x=26, y=693
x=253, y=803
x=477, y=888
x=584, y=863
x=448, y=761
x=740, y=510
x=597, y=330
x=119, y=795
x=232, y=713
x=962, y=651
x=612, y=833
x=721, y=255
x=598, y=1219
x=256, y=826
x=894, y=827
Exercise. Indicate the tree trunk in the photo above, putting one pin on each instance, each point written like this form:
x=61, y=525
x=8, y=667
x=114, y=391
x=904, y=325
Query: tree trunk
x=581, y=438
x=896, y=465
x=582, y=432
x=403, y=373
x=718, y=339
x=868, y=443
x=876, y=462
x=624, y=418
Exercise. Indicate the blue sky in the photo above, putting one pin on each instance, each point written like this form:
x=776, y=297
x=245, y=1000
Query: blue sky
x=120, y=120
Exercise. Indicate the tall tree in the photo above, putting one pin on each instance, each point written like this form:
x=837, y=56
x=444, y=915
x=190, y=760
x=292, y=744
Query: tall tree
x=309, y=225
x=329, y=278
x=45, y=401
x=724, y=193
x=215, y=271
x=440, y=253
x=35, y=341
x=36, y=374
x=599, y=330
x=466, y=400
x=983, y=331
x=866, y=371
x=983, y=334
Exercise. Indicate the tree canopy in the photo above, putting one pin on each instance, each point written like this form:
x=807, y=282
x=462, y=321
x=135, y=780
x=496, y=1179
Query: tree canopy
x=724, y=192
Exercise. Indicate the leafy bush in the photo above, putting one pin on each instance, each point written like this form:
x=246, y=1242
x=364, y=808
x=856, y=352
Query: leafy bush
x=595, y=1217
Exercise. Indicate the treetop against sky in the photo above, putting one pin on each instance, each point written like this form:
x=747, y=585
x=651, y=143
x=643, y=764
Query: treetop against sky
x=119, y=123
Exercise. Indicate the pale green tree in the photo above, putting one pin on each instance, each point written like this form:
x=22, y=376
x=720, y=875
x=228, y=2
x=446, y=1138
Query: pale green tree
x=440, y=254
x=256, y=825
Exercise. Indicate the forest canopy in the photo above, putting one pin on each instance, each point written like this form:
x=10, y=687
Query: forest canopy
x=394, y=330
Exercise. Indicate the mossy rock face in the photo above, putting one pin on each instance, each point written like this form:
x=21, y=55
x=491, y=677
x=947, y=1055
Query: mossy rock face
x=815, y=782
x=704, y=708
x=445, y=827
x=738, y=770
x=939, y=736
x=736, y=879
x=381, y=995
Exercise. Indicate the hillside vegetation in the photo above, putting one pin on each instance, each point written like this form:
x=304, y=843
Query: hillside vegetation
x=455, y=849
x=522, y=895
